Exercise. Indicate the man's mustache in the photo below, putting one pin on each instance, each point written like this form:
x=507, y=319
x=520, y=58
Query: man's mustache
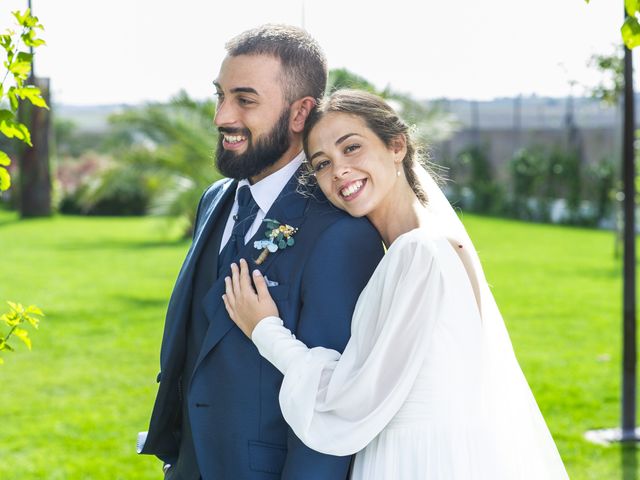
x=234, y=131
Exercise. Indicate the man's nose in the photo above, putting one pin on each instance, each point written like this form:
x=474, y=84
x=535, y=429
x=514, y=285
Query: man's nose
x=224, y=115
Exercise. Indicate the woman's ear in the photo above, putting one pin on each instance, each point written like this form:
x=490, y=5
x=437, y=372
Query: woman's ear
x=300, y=110
x=399, y=148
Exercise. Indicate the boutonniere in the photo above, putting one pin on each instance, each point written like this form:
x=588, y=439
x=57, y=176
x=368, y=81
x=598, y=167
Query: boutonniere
x=278, y=236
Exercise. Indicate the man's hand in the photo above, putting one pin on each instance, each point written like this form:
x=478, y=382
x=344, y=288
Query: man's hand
x=247, y=306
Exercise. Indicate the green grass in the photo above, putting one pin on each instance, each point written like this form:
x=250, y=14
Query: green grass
x=71, y=408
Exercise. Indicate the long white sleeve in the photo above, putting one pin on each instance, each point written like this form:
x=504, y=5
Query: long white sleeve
x=337, y=404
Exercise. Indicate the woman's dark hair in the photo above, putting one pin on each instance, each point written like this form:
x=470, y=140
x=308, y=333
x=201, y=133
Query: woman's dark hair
x=380, y=118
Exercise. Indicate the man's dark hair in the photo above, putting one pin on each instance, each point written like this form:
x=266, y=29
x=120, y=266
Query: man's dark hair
x=304, y=65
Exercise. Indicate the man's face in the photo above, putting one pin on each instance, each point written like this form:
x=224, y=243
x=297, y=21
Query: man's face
x=252, y=115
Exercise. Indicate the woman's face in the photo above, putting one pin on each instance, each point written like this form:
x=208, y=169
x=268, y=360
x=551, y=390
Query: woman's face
x=353, y=167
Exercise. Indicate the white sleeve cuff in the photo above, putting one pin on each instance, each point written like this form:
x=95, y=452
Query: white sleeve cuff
x=277, y=344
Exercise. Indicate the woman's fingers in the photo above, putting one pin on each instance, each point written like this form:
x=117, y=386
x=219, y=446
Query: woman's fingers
x=230, y=310
x=228, y=286
x=235, y=279
x=245, y=280
x=261, y=285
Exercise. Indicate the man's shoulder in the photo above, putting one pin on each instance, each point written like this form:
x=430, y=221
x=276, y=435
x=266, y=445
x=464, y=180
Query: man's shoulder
x=323, y=212
x=215, y=189
x=335, y=228
x=218, y=185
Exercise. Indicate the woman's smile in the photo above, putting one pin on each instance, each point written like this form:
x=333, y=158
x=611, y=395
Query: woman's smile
x=351, y=190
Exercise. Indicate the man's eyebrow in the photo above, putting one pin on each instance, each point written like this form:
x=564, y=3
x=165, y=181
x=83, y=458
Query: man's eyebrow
x=244, y=90
x=237, y=89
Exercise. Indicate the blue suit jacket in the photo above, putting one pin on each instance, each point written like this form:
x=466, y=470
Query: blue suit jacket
x=238, y=428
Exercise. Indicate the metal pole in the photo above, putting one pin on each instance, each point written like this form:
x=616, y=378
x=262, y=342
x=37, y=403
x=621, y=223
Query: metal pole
x=629, y=289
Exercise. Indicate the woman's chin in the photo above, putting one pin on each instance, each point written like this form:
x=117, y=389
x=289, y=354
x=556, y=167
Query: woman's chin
x=354, y=211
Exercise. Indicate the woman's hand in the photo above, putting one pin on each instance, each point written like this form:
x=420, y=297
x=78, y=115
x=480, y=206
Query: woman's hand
x=246, y=307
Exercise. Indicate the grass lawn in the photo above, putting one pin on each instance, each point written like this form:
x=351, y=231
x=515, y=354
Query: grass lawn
x=72, y=407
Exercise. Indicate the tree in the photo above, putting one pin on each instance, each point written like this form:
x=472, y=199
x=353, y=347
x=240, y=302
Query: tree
x=173, y=146
x=611, y=86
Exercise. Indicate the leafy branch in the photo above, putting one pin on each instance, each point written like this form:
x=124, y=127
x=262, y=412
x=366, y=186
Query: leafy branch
x=18, y=69
x=13, y=319
x=631, y=28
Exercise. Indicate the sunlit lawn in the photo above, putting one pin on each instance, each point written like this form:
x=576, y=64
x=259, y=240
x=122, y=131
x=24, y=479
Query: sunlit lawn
x=71, y=408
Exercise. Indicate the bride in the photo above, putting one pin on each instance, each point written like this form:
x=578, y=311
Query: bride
x=428, y=386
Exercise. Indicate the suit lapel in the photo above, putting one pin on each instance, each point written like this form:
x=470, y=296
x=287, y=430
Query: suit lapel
x=289, y=208
x=181, y=298
x=210, y=217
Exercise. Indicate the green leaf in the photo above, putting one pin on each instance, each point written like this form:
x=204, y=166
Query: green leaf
x=290, y=242
x=21, y=17
x=631, y=6
x=5, y=161
x=282, y=244
x=23, y=335
x=15, y=129
x=5, y=41
x=5, y=180
x=32, y=320
x=11, y=320
x=25, y=57
x=16, y=307
x=631, y=32
x=35, y=310
x=34, y=42
x=20, y=68
x=32, y=94
x=30, y=39
x=13, y=98
x=6, y=115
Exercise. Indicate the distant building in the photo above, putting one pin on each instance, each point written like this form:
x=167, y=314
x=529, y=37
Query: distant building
x=504, y=125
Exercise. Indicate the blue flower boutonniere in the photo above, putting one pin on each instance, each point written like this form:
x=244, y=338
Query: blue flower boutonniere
x=278, y=236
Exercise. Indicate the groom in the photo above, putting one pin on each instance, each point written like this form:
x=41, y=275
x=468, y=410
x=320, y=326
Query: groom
x=216, y=414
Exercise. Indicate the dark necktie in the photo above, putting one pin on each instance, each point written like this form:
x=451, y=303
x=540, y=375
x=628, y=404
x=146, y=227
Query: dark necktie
x=247, y=210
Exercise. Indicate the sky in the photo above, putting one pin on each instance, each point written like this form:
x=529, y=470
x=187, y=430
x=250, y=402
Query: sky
x=133, y=51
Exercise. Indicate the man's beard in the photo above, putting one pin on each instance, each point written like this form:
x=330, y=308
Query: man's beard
x=258, y=157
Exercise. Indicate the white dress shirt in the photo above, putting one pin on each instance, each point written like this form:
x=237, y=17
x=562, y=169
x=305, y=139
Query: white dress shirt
x=264, y=193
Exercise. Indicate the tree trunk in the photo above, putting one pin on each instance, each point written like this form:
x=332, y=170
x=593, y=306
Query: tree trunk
x=35, y=176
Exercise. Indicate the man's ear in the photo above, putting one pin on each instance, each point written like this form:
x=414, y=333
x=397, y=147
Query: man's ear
x=399, y=148
x=300, y=110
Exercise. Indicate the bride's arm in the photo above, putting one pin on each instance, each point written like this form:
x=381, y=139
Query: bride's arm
x=337, y=404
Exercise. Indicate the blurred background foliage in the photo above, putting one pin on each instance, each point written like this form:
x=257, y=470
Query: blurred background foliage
x=158, y=158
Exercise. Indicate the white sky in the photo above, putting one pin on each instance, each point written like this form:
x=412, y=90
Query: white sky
x=128, y=51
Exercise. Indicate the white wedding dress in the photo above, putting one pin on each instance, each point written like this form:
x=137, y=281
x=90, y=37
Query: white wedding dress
x=428, y=386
